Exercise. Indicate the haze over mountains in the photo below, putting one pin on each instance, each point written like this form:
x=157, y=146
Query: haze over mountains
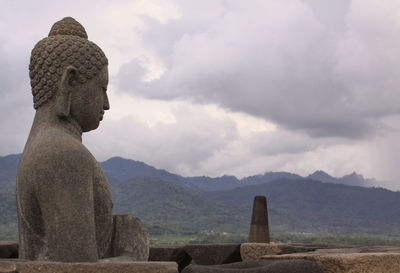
x=170, y=203
x=123, y=169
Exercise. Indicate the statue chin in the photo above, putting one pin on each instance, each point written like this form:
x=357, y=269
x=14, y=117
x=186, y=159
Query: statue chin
x=90, y=127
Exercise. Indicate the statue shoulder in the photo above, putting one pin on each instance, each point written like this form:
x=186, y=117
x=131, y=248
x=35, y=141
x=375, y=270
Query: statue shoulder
x=55, y=149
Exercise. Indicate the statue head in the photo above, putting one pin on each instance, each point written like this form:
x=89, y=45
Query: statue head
x=70, y=71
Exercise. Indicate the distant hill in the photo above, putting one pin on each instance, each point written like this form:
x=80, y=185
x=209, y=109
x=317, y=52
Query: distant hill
x=328, y=206
x=123, y=169
x=228, y=182
x=159, y=201
x=8, y=171
x=163, y=202
x=353, y=179
x=120, y=169
x=171, y=203
x=267, y=177
x=206, y=183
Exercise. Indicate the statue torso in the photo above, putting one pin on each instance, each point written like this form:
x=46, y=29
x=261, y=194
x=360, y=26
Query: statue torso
x=53, y=169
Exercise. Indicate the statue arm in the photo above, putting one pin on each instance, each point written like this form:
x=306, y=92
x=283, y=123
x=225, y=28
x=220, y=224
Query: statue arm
x=65, y=194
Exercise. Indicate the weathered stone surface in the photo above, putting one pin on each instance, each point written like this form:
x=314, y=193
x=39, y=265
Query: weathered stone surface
x=130, y=238
x=8, y=266
x=259, y=266
x=64, y=201
x=361, y=249
x=319, y=246
x=8, y=249
x=170, y=253
x=253, y=251
x=57, y=267
x=259, y=229
x=63, y=198
x=348, y=262
x=211, y=254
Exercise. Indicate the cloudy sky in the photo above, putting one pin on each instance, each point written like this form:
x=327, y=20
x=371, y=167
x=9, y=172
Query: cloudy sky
x=228, y=87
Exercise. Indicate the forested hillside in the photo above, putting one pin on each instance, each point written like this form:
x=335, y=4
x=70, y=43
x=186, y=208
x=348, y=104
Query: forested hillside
x=171, y=204
x=332, y=207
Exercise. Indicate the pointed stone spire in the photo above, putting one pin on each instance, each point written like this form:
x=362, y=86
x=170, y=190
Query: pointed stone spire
x=259, y=229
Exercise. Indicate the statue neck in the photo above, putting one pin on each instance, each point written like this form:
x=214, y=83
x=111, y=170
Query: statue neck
x=46, y=117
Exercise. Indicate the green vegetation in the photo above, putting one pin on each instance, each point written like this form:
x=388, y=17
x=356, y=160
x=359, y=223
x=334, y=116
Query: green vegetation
x=322, y=207
x=9, y=232
x=8, y=216
x=336, y=239
x=167, y=204
x=302, y=210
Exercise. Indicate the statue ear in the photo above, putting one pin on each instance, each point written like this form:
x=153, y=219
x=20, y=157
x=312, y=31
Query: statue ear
x=65, y=91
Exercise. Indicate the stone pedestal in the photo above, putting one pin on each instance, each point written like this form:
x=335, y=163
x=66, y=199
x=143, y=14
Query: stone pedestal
x=20, y=266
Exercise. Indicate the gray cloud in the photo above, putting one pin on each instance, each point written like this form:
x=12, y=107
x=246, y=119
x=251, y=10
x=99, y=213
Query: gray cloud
x=324, y=74
x=180, y=146
x=16, y=100
x=275, y=60
x=22, y=25
x=280, y=142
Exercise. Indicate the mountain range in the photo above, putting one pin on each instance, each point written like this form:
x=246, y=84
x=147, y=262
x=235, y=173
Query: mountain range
x=170, y=203
x=123, y=169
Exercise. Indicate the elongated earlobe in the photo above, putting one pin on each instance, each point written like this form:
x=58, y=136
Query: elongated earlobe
x=63, y=105
x=63, y=100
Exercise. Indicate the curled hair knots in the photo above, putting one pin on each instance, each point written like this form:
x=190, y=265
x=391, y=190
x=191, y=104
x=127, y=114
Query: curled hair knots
x=66, y=45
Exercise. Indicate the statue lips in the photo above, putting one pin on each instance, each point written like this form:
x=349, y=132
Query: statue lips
x=101, y=115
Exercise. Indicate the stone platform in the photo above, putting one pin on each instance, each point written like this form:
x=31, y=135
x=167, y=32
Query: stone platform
x=258, y=266
x=257, y=258
x=254, y=251
x=308, y=258
x=21, y=266
x=347, y=262
x=331, y=259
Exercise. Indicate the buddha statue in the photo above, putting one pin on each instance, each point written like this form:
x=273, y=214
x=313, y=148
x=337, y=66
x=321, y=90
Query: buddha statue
x=64, y=201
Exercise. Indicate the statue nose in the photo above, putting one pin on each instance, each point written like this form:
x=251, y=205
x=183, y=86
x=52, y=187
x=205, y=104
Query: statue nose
x=106, y=105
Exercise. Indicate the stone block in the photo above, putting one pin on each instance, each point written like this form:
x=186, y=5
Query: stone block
x=212, y=254
x=57, y=267
x=170, y=253
x=348, y=262
x=259, y=266
x=130, y=238
x=8, y=250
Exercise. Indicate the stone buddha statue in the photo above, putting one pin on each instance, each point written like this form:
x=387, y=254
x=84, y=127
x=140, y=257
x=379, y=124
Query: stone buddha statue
x=64, y=201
